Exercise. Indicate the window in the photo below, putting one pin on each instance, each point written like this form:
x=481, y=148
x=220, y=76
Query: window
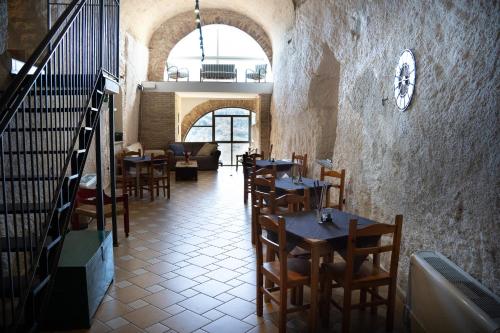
x=229, y=127
x=223, y=45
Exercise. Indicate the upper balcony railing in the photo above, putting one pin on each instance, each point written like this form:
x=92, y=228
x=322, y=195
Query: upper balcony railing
x=225, y=72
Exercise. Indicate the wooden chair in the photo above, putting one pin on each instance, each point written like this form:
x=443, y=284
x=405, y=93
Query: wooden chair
x=369, y=276
x=341, y=185
x=284, y=272
x=86, y=205
x=301, y=160
x=263, y=195
x=126, y=175
x=248, y=166
x=158, y=172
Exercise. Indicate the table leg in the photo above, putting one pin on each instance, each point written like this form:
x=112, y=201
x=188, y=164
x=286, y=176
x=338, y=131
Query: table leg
x=313, y=314
x=137, y=180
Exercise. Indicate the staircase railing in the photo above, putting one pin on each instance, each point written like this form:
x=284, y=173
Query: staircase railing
x=47, y=120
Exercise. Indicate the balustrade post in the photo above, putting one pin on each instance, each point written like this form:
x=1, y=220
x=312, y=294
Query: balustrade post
x=112, y=168
x=99, y=188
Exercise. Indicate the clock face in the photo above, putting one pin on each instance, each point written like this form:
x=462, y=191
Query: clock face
x=404, y=80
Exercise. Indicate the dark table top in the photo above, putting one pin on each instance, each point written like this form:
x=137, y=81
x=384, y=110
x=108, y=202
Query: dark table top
x=137, y=159
x=278, y=163
x=305, y=225
x=287, y=184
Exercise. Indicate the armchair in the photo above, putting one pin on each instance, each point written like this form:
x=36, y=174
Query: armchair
x=176, y=73
x=257, y=74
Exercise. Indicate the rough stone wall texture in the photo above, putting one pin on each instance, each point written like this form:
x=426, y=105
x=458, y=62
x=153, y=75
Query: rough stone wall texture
x=157, y=124
x=3, y=25
x=437, y=163
x=90, y=164
x=176, y=28
x=133, y=70
x=27, y=26
x=142, y=17
x=211, y=105
x=264, y=122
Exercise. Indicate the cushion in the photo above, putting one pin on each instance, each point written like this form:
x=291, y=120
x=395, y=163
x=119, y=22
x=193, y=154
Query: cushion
x=156, y=152
x=177, y=148
x=207, y=149
x=134, y=147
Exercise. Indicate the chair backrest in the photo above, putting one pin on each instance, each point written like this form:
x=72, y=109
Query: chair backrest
x=293, y=202
x=301, y=160
x=159, y=162
x=263, y=188
x=375, y=230
x=249, y=163
x=340, y=175
x=261, y=69
x=273, y=226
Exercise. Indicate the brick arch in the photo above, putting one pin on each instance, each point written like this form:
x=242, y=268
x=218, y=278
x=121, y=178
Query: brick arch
x=173, y=30
x=202, y=109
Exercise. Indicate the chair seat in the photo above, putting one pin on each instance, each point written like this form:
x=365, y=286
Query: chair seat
x=298, y=270
x=90, y=211
x=365, y=274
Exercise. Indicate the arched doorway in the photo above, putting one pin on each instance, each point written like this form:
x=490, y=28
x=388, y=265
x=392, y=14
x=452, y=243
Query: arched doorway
x=231, y=128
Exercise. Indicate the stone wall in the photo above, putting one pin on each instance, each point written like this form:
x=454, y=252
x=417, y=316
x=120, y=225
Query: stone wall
x=157, y=121
x=437, y=163
x=27, y=26
x=3, y=25
x=178, y=27
x=133, y=71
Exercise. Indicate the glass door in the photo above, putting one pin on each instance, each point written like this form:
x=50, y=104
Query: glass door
x=229, y=127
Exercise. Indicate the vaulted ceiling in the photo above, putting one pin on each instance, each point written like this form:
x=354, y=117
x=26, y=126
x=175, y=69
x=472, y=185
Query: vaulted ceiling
x=142, y=17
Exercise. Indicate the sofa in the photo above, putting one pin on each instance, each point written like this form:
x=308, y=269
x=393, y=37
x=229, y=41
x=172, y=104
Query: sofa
x=205, y=162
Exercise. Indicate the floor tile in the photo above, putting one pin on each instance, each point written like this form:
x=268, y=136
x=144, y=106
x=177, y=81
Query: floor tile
x=191, y=271
x=116, y=322
x=179, y=283
x=237, y=308
x=212, y=288
x=222, y=274
x=146, y=316
x=112, y=309
x=164, y=298
x=146, y=279
x=200, y=303
x=129, y=294
x=186, y=322
x=227, y=324
x=245, y=291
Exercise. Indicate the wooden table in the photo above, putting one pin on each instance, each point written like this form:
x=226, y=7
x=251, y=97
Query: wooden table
x=320, y=240
x=284, y=185
x=186, y=171
x=281, y=165
x=139, y=162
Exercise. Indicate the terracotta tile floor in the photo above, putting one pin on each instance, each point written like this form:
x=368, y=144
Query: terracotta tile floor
x=188, y=266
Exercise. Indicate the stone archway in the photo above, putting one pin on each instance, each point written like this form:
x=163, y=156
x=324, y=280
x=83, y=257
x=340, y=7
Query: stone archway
x=178, y=27
x=201, y=109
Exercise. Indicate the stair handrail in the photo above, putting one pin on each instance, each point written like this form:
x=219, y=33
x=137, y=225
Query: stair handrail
x=14, y=95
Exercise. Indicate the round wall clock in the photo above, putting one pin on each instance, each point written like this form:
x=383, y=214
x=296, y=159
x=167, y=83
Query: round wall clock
x=404, y=81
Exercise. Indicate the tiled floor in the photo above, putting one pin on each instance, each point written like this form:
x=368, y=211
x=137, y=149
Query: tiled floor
x=189, y=266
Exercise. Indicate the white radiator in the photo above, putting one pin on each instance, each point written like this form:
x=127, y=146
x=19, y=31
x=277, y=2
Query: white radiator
x=443, y=298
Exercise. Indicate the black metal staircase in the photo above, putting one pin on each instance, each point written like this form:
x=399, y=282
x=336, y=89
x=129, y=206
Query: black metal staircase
x=48, y=117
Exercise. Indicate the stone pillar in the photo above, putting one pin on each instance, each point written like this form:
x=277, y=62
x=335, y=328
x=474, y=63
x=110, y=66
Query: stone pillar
x=157, y=119
x=264, y=119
